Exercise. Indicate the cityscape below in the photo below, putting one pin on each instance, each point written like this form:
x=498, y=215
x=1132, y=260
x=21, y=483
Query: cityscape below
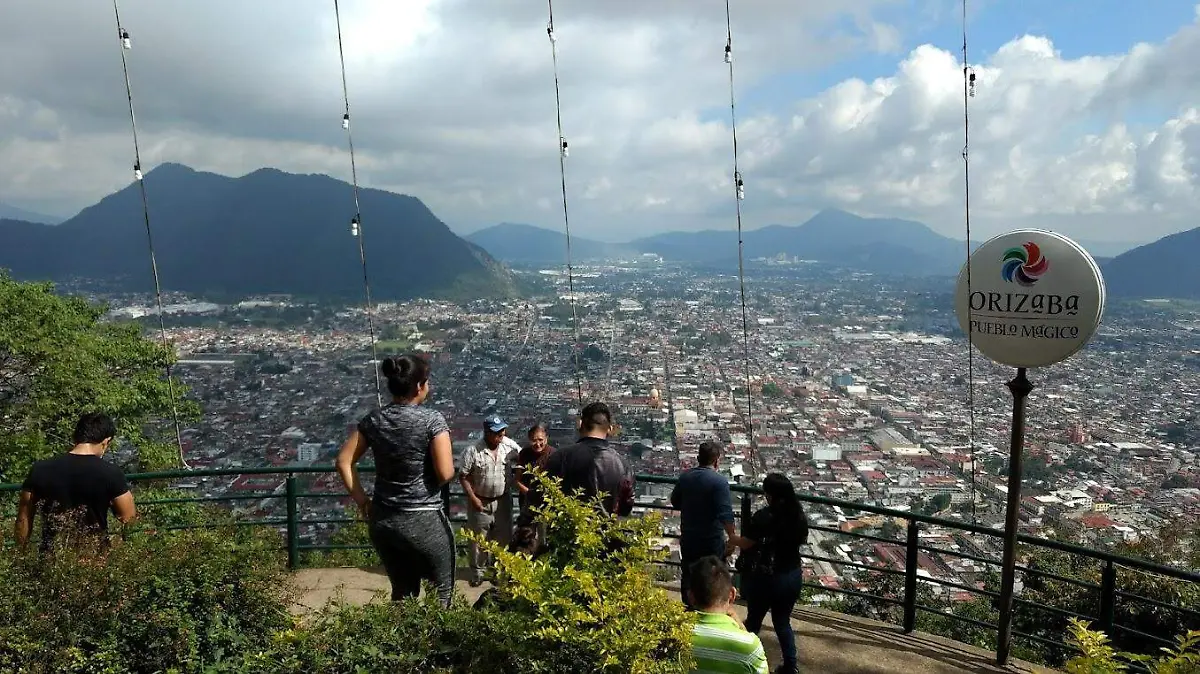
x=860, y=389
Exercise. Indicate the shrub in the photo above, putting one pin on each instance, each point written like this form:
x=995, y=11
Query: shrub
x=591, y=599
x=1097, y=655
x=153, y=603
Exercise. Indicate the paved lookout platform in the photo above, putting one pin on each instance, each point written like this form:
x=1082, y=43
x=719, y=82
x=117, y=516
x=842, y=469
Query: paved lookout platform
x=830, y=643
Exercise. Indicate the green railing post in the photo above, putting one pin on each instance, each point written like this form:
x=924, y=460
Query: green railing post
x=1108, y=597
x=910, y=578
x=293, y=523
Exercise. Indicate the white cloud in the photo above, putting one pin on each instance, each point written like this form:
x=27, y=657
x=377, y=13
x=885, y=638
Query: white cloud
x=453, y=102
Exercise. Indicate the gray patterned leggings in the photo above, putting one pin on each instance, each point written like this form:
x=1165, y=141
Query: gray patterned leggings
x=414, y=545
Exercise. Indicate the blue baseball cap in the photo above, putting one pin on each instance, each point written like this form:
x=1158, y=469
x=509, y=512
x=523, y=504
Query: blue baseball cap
x=494, y=424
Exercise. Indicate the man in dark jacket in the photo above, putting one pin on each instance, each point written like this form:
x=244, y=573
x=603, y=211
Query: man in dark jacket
x=706, y=509
x=594, y=464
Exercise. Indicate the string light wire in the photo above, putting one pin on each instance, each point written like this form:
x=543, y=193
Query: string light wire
x=968, y=92
x=562, y=172
x=739, y=194
x=123, y=37
x=356, y=227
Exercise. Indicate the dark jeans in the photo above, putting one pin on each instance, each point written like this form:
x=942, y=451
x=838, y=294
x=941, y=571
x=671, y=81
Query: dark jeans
x=686, y=562
x=414, y=545
x=778, y=594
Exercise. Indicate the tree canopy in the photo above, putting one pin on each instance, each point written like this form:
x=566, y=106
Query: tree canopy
x=59, y=358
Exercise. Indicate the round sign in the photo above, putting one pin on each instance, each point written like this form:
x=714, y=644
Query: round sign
x=1034, y=298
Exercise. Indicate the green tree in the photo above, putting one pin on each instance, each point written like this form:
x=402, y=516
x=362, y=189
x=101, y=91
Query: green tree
x=59, y=358
x=772, y=390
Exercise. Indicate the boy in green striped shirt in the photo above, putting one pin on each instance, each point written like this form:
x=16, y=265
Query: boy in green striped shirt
x=720, y=645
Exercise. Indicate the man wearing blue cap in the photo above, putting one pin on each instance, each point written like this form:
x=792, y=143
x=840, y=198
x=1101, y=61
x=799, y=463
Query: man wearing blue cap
x=486, y=478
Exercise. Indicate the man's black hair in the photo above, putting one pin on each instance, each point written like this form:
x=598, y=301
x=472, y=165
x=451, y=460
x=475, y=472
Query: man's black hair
x=709, y=453
x=595, y=416
x=94, y=428
x=710, y=582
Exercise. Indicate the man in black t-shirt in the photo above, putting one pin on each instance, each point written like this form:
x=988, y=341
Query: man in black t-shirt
x=74, y=491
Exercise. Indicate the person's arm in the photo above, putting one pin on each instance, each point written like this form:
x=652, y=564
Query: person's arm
x=25, y=514
x=758, y=658
x=443, y=457
x=519, y=477
x=725, y=515
x=749, y=538
x=124, y=508
x=352, y=450
x=625, y=494
x=464, y=479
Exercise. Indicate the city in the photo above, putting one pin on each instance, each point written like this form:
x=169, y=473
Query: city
x=859, y=390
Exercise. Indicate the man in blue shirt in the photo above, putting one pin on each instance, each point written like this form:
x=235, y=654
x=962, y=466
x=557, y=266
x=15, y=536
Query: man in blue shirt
x=706, y=509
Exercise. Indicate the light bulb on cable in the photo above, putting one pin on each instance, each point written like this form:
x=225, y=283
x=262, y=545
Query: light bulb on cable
x=125, y=43
x=346, y=121
x=137, y=171
x=741, y=186
x=566, y=152
x=729, y=52
x=550, y=32
x=354, y=226
x=971, y=84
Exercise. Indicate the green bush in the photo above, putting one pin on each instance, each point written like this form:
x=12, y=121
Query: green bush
x=167, y=602
x=1097, y=655
x=591, y=598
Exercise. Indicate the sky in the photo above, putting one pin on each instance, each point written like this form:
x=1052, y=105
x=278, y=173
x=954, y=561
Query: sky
x=1086, y=118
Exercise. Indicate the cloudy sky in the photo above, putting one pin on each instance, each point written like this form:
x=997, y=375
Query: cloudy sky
x=1086, y=118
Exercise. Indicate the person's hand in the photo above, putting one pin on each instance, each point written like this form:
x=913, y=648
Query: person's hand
x=732, y=613
x=731, y=545
x=364, y=509
x=476, y=504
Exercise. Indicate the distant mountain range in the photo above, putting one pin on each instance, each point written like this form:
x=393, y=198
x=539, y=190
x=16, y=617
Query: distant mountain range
x=1167, y=268
x=877, y=245
x=265, y=232
x=880, y=245
x=275, y=232
x=9, y=212
x=513, y=242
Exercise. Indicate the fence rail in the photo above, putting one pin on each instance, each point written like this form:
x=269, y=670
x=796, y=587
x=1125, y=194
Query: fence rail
x=1108, y=591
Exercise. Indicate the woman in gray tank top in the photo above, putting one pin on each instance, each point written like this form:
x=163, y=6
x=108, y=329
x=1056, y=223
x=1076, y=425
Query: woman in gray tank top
x=413, y=459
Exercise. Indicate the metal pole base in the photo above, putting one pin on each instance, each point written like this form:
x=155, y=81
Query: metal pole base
x=1020, y=387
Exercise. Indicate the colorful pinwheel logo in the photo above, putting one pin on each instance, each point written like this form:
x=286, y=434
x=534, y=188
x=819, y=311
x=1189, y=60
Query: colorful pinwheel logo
x=1024, y=264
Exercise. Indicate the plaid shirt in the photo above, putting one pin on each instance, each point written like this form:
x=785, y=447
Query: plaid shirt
x=488, y=471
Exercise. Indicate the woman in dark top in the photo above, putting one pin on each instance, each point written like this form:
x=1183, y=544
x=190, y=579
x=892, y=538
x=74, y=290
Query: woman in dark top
x=413, y=459
x=771, y=573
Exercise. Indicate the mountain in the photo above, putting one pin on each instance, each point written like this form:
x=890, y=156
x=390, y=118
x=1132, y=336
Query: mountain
x=1164, y=268
x=265, y=232
x=8, y=212
x=514, y=242
x=1106, y=249
x=880, y=245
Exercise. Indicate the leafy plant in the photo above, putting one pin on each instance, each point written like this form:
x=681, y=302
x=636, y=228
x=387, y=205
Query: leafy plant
x=591, y=597
x=58, y=358
x=152, y=603
x=1098, y=656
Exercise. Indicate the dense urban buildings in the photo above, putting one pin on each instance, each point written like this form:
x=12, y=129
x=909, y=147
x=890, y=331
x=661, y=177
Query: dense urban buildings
x=859, y=387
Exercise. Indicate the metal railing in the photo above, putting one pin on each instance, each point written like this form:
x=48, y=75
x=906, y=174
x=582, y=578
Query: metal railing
x=1108, y=592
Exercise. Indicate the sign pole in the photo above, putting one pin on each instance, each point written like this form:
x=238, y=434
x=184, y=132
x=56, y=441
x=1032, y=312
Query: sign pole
x=1020, y=387
x=1036, y=299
